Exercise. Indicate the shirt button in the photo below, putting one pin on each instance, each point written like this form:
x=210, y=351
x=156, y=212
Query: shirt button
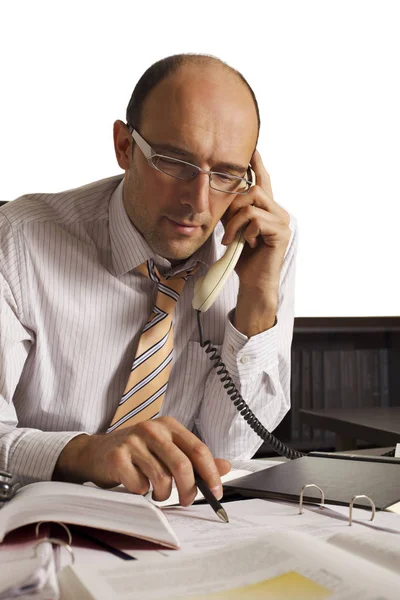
x=245, y=360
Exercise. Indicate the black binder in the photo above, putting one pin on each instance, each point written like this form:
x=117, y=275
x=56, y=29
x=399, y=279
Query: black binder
x=341, y=477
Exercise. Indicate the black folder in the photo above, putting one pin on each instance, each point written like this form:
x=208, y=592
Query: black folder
x=340, y=477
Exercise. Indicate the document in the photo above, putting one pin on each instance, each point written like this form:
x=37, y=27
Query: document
x=278, y=564
x=198, y=530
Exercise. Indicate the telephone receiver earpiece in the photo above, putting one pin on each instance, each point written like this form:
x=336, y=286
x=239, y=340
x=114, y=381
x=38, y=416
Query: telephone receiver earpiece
x=207, y=288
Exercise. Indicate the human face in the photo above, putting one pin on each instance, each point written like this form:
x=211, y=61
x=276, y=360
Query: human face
x=205, y=116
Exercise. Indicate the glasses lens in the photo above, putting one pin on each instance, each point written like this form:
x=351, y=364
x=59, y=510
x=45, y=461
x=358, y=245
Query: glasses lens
x=185, y=171
x=173, y=167
x=228, y=183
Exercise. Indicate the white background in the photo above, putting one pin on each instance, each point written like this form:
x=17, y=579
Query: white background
x=326, y=75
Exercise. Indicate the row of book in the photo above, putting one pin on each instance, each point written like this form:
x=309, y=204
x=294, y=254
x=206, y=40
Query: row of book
x=335, y=378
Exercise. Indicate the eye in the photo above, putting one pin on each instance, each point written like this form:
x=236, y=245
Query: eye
x=165, y=162
x=168, y=165
x=223, y=176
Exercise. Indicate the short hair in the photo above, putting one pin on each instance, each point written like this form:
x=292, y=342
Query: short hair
x=162, y=69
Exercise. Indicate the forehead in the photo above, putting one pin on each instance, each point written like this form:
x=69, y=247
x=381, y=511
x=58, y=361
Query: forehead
x=207, y=110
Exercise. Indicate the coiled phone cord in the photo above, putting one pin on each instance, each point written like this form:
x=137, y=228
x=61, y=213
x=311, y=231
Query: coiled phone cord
x=240, y=403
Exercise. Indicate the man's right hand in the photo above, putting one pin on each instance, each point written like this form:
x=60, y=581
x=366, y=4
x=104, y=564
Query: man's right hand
x=155, y=451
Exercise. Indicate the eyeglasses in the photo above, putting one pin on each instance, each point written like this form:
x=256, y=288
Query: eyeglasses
x=180, y=169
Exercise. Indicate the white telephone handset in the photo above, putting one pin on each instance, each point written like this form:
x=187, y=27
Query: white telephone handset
x=207, y=288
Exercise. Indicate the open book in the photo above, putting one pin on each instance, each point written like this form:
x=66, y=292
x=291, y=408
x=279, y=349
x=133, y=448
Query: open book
x=281, y=564
x=114, y=510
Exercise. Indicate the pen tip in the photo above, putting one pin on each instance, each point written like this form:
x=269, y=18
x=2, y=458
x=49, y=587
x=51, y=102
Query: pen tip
x=222, y=515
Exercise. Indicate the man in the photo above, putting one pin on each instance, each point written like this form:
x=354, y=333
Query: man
x=73, y=302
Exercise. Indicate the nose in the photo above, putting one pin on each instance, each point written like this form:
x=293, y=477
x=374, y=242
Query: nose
x=196, y=193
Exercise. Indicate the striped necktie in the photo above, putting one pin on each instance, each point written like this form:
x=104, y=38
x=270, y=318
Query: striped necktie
x=150, y=371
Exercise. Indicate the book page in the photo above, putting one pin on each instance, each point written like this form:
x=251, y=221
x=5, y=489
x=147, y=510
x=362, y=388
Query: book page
x=280, y=565
x=117, y=510
x=254, y=465
x=394, y=508
x=380, y=547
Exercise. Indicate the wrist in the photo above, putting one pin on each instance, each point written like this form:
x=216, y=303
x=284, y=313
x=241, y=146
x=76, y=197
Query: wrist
x=255, y=312
x=70, y=465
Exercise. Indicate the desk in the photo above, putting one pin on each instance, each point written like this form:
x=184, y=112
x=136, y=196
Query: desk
x=379, y=426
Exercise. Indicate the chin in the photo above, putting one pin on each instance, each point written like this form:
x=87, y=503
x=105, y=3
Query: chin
x=178, y=251
x=177, y=256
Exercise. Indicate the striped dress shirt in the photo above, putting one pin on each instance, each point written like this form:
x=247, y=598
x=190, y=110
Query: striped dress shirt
x=71, y=311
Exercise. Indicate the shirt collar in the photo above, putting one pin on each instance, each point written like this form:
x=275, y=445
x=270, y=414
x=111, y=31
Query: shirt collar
x=129, y=249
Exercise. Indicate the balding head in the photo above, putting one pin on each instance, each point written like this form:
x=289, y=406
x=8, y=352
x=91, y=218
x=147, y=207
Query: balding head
x=189, y=63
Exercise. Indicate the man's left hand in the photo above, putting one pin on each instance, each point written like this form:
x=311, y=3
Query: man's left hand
x=267, y=234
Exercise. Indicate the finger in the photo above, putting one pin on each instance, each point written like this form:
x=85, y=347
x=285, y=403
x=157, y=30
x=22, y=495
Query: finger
x=181, y=451
x=160, y=459
x=240, y=202
x=128, y=474
x=158, y=437
x=261, y=173
x=137, y=466
x=202, y=460
x=258, y=198
x=155, y=472
x=223, y=465
x=181, y=469
x=251, y=233
x=262, y=223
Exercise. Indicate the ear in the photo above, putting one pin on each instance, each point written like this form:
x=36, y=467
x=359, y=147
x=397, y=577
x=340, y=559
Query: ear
x=122, y=145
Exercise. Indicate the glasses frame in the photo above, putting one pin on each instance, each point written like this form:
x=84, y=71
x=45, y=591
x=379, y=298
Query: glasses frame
x=149, y=154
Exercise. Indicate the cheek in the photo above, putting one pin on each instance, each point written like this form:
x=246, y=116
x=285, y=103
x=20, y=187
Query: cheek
x=160, y=194
x=218, y=211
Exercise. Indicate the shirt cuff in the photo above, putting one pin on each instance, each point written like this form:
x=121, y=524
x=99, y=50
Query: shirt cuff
x=35, y=454
x=247, y=357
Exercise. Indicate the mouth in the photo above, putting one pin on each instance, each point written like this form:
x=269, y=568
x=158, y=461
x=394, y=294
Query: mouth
x=184, y=227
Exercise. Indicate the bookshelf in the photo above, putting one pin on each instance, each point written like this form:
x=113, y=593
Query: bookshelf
x=339, y=362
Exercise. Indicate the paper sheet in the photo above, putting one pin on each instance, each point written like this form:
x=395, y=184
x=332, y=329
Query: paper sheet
x=198, y=529
x=379, y=547
x=280, y=565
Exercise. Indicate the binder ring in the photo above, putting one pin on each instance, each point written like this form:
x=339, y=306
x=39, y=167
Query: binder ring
x=59, y=543
x=57, y=523
x=302, y=494
x=351, y=507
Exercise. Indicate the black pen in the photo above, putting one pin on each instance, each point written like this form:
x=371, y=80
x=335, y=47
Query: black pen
x=211, y=499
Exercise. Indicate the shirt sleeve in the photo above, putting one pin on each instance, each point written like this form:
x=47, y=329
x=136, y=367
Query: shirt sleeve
x=28, y=454
x=260, y=369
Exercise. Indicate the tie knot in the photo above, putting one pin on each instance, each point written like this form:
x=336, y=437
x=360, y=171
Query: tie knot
x=150, y=270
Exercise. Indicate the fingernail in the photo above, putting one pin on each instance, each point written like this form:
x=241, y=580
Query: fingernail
x=217, y=491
